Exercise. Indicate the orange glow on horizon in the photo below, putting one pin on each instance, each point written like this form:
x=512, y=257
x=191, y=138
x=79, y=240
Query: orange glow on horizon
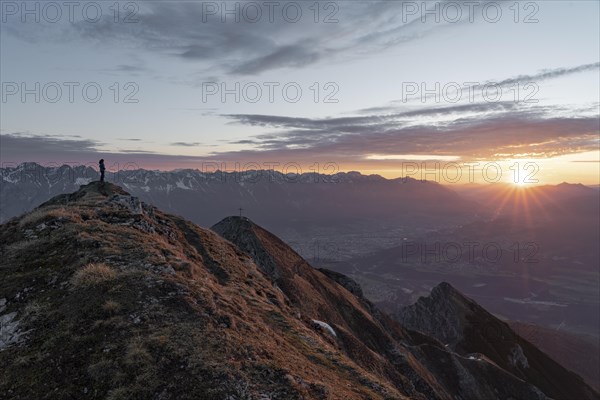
x=581, y=168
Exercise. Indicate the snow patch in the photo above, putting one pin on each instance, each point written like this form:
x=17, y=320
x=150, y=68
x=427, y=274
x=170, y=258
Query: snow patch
x=82, y=181
x=9, y=179
x=534, y=302
x=182, y=185
x=325, y=325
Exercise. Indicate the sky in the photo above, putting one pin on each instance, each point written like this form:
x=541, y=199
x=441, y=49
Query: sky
x=452, y=91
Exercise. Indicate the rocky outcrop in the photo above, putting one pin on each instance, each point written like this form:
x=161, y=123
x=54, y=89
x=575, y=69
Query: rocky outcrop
x=344, y=280
x=132, y=203
x=438, y=315
x=10, y=332
x=236, y=230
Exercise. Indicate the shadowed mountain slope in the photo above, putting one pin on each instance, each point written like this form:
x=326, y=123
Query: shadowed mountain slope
x=468, y=329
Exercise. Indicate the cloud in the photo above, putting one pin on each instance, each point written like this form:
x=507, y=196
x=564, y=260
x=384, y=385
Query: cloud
x=297, y=55
x=187, y=32
x=136, y=151
x=26, y=145
x=519, y=81
x=245, y=141
x=549, y=74
x=351, y=123
x=186, y=144
x=49, y=149
x=30, y=147
x=471, y=131
x=129, y=68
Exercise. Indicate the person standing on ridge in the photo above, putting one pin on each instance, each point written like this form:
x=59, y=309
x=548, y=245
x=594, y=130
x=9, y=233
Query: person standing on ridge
x=102, y=169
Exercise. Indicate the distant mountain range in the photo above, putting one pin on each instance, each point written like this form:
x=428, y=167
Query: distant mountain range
x=320, y=215
x=105, y=296
x=279, y=201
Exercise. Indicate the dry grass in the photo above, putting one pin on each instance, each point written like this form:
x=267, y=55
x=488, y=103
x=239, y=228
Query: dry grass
x=32, y=217
x=103, y=370
x=111, y=307
x=137, y=354
x=52, y=213
x=33, y=310
x=120, y=393
x=23, y=245
x=93, y=274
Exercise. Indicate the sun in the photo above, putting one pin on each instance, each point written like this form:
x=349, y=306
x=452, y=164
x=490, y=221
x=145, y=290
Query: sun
x=522, y=183
x=523, y=173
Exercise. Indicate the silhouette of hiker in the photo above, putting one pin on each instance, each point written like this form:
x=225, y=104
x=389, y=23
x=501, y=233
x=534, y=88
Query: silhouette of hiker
x=102, y=169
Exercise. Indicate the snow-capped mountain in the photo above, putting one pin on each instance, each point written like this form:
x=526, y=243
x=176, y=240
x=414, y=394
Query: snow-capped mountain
x=265, y=195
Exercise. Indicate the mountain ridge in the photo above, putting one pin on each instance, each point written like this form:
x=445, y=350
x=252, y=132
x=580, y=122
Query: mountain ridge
x=105, y=296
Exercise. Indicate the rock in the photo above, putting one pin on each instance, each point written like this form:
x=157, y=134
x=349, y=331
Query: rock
x=160, y=269
x=516, y=357
x=144, y=225
x=30, y=234
x=9, y=330
x=132, y=203
x=54, y=224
